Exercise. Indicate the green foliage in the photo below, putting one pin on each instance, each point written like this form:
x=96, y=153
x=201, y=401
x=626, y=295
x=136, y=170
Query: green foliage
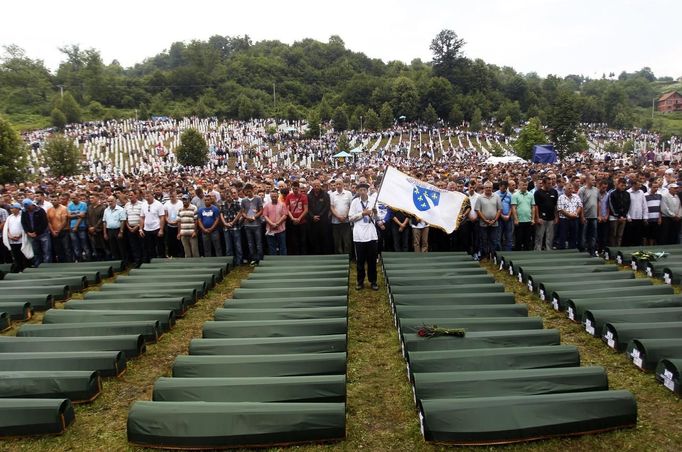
x=386, y=117
x=563, y=123
x=455, y=117
x=313, y=124
x=62, y=156
x=446, y=48
x=342, y=143
x=507, y=126
x=70, y=107
x=530, y=135
x=340, y=119
x=476, y=120
x=13, y=154
x=193, y=150
x=430, y=116
x=372, y=122
x=58, y=118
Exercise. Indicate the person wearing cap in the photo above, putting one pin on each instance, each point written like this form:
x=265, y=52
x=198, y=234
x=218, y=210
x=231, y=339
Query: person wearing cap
x=34, y=222
x=670, y=216
x=15, y=239
x=187, y=232
x=113, y=219
x=362, y=214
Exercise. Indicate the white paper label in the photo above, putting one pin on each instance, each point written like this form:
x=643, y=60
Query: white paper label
x=649, y=272
x=667, y=374
x=530, y=286
x=501, y=265
x=635, y=353
x=542, y=294
x=588, y=327
x=669, y=384
x=608, y=335
x=520, y=278
x=511, y=271
x=555, y=304
x=571, y=314
x=611, y=343
x=638, y=362
x=633, y=264
x=619, y=259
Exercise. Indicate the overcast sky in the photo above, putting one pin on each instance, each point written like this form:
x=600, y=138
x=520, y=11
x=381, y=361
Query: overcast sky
x=544, y=36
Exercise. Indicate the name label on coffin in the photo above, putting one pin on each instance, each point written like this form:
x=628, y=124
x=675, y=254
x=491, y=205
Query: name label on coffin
x=669, y=384
x=635, y=353
x=520, y=278
x=542, y=295
x=667, y=374
x=633, y=265
x=571, y=314
x=511, y=271
x=637, y=361
x=555, y=304
x=649, y=273
x=611, y=343
x=588, y=327
x=608, y=335
x=530, y=287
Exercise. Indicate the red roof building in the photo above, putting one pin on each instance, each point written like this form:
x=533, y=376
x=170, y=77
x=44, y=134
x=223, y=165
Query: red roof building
x=670, y=102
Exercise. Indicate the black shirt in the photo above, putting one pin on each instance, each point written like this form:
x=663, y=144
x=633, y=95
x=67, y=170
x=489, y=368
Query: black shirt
x=546, y=201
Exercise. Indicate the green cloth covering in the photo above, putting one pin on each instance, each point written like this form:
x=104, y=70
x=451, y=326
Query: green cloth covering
x=57, y=292
x=235, y=314
x=190, y=295
x=30, y=417
x=280, y=263
x=77, y=386
x=618, y=335
x=674, y=273
x=576, y=307
x=177, y=304
x=4, y=321
x=301, y=269
x=290, y=292
x=104, y=267
x=331, y=343
x=289, y=365
x=419, y=281
x=287, y=303
x=406, y=265
x=570, y=285
x=408, y=326
x=150, y=330
x=482, y=339
x=38, y=302
x=623, y=254
x=211, y=425
x=592, y=279
x=274, y=328
x=16, y=310
x=416, y=312
x=537, y=271
x=92, y=276
x=286, y=283
x=668, y=372
x=646, y=353
x=498, y=420
x=307, y=389
x=107, y=363
x=505, y=358
x=443, y=289
x=595, y=319
x=452, y=298
x=438, y=272
x=74, y=283
x=148, y=269
x=208, y=280
x=222, y=261
x=560, y=299
x=165, y=318
x=553, y=261
x=132, y=344
x=152, y=285
x=500, y=383
x=297, y=276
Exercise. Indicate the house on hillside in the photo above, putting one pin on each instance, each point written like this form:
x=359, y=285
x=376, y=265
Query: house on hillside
x=670, y=102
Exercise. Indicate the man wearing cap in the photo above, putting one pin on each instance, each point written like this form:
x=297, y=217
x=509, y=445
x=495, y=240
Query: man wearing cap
x=34, y=222
x=365, y=238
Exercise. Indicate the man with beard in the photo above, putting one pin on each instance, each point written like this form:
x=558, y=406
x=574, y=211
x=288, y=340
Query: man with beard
x=318, y=215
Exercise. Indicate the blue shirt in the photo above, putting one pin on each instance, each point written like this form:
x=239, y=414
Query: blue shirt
x=506, y=199
x=81, y=207
x=208, y=216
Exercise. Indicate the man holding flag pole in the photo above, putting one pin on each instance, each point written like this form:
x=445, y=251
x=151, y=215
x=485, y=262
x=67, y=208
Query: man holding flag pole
x=362, y=214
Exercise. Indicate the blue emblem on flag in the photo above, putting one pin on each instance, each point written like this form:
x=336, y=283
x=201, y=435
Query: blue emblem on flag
x=424, y=199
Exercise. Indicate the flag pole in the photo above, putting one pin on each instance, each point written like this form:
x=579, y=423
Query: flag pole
x=380, y=186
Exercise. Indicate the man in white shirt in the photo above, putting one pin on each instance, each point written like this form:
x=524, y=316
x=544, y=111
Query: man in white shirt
x=670, y=216
x=340, y=200
x=172, y=208
x=570, y=209
x=152, y=225
x=637, y=215
x=365, y=239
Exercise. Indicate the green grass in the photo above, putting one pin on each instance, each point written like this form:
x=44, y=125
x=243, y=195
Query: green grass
x=380, y=415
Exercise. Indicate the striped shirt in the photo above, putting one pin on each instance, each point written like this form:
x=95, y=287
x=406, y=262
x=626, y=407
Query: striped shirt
x=188, y=219
x=133, y=213
x=653, y=205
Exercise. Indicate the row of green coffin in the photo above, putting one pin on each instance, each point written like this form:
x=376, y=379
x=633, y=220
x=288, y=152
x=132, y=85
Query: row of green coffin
x=623, y=254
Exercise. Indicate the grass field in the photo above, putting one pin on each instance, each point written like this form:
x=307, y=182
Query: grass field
x=380, y=411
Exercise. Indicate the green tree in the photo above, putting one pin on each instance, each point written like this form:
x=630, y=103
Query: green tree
x=193, y=150
x=476, y=120
x=62, y=155
x=530, y=135
x=405, y=97
x=13, y=155
x=313, y=124
x=340, y=119
x=71, y=109
x=58, y=118
x=325, y=110
x=430, y=116
x=386, y=116
x=563, y=123
x=456, y=116
x=342, y=144
x=372, y=122
x=446, y=48
x=507, y=126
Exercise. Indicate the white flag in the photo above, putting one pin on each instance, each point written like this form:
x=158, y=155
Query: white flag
x=431, y=204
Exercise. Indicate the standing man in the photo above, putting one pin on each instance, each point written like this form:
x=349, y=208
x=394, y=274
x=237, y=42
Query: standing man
x=152, y=225
x=589, y=197
x=570, y=210
x=13, y=237
x=58, y=222
x=523, y=203
x=113, y=220
x=400, y=231
x=79, y=228
x=172, y=207
x=619, y=205
x=670, y=216
x=637, y=214
x=297, y=206
x=209, y=222
x=231, y=217
x=133, y=209
x=545, y=214
x=420, y=235
x=34, y=223
x=506, y=227
x=275, y=215
x=3, y=250
x=252, y=209
x=95, y=227
x=488, y=209
x=365, y=237
x=603, y=216
x=187, y=232
x=340, y=200
x=653, y=224
x=318, y=215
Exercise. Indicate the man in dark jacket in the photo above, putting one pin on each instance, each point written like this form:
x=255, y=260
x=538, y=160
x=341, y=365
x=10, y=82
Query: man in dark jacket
x=318, y=217
x=619, y=205
x=34, y=222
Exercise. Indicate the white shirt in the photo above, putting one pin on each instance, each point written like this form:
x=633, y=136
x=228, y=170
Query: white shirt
x=14, y=228
x=46, y=205
x=363, y=226
x=152, y=214
x=172, y=211
x=638, y=208
x=341, y=203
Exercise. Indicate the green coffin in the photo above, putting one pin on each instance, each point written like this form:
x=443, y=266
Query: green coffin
x=243, y=366
x=150, y=330
x=545, y=289
x=132, y=344
x=206, y=425
x=534, y=270
x=594, y=320
x=222, y=261
x=417, y=312
x=453, y=298
x=668, y=372
x=74, y=283
x=500, y=383
x=286, y=283
x=287, y=303
x=297, y=276
x=107, y=363
x=672, y=274
x=397, y=255
x=560, y=299
x=439, y=272
x=409, y=265
x=77, y=386
x=5, y=322
x=165, y=318
x=499, y=420
x=623, y=254
x=308, y=389
x=282, y=263
x=657, y=268
x=332, y=343
x=436, y=282
x=646, y=353
x=274, y=328
x=235, y=314
x=557, y=263
x=408, y=326
x=177, y=305
x=592, y=279
x=441, y=289
x=30, y=417
x=618, y=335
x=290, y=292
x=209, y=281
x=152, y=285
x=506, y=358
x=189, y=295
x=104, y=267
x=482, y=339
x=92, y=276
x=38, y=302
x=576, y=307
x=16, y=310
x=153, y=269
x=301, y=269
x=58, y=292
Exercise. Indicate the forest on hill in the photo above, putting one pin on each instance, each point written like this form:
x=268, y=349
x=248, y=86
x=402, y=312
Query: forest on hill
x=234, y=77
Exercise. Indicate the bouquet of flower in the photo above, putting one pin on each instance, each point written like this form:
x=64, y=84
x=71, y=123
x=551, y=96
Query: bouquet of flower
x=435, y=330
x=650, y=256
